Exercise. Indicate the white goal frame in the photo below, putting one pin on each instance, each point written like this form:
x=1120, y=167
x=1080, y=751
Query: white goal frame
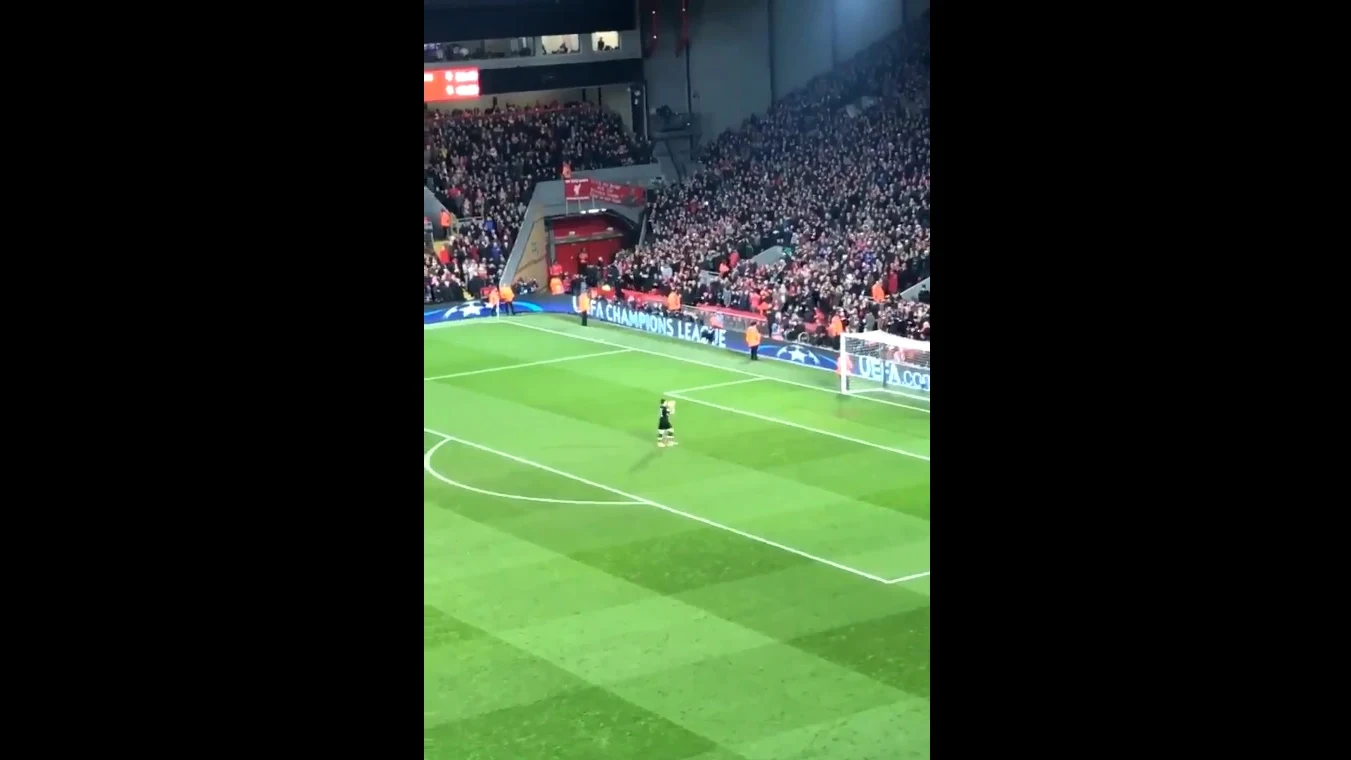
x=882, y=346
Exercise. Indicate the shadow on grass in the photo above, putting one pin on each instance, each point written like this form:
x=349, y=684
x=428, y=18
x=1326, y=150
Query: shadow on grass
x=645, y=461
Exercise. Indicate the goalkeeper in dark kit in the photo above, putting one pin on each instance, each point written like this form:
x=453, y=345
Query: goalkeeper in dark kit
x=666, y=433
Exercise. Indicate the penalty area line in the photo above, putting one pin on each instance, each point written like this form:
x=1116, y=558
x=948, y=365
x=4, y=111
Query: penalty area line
x=800, y=426
x=528, y=364
x=904, y=578
x=718, y=385
x=687, y=360
x=662, y=507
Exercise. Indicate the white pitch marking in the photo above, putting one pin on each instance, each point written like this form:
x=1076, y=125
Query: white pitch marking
x=895, y=392
x=604, y=342
x=457, y=323
x=427, y=465
x=717, y=385
x=527, y=364
x=799, y=426
x=905, y=578
x=662, y=507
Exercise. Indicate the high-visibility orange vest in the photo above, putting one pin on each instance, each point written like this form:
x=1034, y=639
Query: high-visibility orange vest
x=584, y=302
x=445, y=218
x=879, y=295
x=673, y=301
x=508, y=294
x=836, y=326
x=492, y=297
x=752, y=336
x=555, y=286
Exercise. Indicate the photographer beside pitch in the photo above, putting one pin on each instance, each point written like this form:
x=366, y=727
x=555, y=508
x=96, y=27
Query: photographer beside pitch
x=711, y=325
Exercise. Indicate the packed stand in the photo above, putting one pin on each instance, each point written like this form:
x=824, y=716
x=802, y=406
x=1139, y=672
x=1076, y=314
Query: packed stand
x=483, y=165
x=848, y=190
x=461, y=266
x=461, y=270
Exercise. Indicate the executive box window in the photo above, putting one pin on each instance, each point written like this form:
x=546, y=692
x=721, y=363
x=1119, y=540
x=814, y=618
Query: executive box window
x=510, y=47
x=560, y=44
x=466, y=50
x=523, y=46
x=604, y=41
x=478, y=50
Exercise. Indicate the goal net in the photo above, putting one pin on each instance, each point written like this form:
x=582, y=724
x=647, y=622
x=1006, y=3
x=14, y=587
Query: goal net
x=879, y=362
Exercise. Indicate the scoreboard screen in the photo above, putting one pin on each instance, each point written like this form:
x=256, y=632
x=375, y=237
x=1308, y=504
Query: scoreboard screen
x=449, y=84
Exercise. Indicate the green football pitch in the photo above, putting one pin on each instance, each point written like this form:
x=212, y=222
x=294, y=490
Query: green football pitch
x=759, y=591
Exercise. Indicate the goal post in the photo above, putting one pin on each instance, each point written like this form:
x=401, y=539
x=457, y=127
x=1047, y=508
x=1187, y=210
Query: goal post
x=879, y=362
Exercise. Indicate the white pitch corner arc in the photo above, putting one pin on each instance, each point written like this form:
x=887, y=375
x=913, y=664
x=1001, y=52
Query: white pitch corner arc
x=430, y=470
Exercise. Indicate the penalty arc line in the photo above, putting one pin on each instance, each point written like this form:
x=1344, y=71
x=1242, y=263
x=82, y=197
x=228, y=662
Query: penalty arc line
x=527, y=364
x=662, y=507
x=427, y=465
x=604, y=342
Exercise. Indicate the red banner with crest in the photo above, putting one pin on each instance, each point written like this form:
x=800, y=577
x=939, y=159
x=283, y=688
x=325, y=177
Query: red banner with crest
x=585, y=188
x=578, y=189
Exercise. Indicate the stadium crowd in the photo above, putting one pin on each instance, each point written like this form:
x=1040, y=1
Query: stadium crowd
x=483, y=166
x=837, y=173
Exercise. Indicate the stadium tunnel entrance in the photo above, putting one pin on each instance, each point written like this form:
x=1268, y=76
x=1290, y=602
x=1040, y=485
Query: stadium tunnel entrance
x=569, y=244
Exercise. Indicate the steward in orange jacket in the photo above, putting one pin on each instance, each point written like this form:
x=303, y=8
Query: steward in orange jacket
x=753, y=341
